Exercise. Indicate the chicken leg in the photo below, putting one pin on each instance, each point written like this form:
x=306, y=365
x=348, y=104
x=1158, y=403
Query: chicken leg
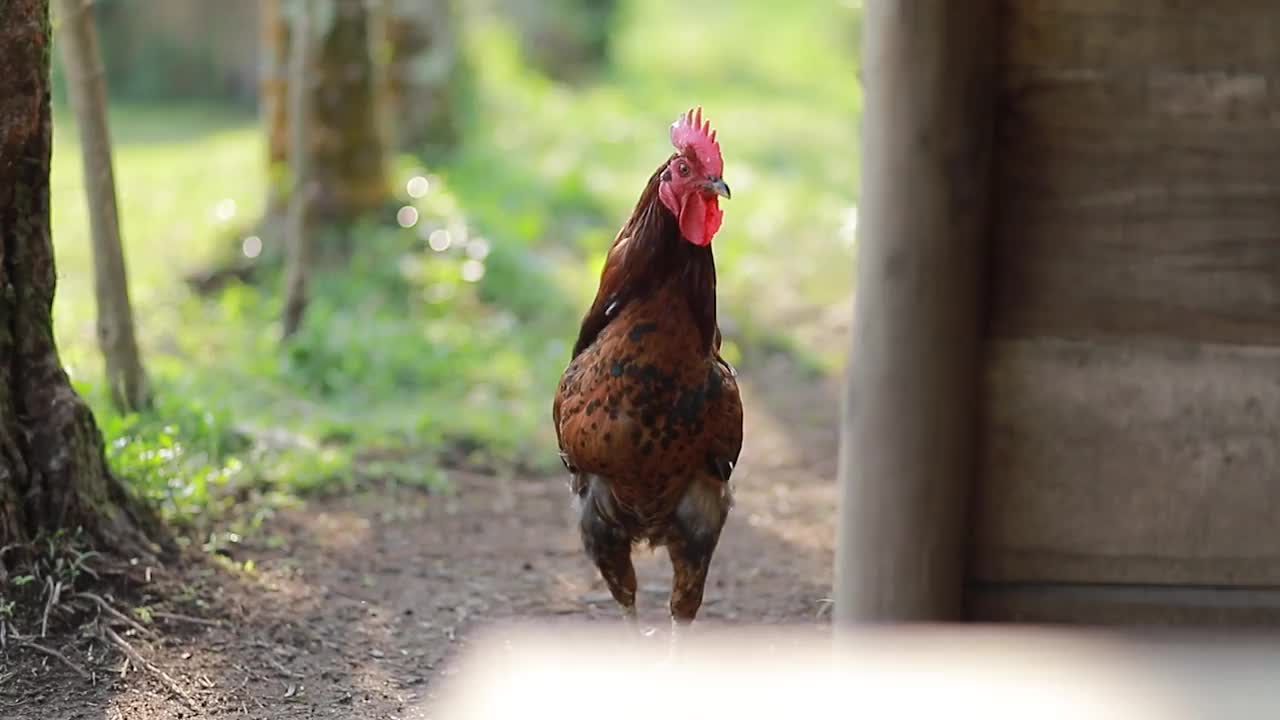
x=690, y=564
x=608, y=546
x=698, y=522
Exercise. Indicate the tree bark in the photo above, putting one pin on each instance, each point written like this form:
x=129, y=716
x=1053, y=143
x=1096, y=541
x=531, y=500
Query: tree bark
x=52, y=470
x=422, y=72
x=346, y=137
x=348, y=151
x=86, y=87
x=273, y=90
x=298, y=230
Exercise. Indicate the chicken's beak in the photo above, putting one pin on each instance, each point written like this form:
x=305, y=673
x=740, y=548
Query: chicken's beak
x=717, y=186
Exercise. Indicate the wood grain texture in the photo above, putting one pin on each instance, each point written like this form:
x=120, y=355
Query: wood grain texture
x=1184, y=34
x=1124, y=605
x=1150, y=462
x=1136, y=179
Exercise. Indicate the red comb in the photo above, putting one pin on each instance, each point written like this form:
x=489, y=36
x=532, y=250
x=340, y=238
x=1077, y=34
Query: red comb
x=691, y=134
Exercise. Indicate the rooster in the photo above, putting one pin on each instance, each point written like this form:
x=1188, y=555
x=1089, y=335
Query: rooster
x=648, y=414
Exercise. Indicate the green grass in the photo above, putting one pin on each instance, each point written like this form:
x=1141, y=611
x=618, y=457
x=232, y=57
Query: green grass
x=406, y=356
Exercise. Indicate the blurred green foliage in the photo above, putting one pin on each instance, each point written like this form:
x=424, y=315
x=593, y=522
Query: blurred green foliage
x=440, y=344
x=568, y=40
x=176, y=50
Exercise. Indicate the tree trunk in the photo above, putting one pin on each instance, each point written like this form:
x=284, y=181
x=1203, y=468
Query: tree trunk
x=273, y=103
x=346, y=139
x=348, y=152
x=87, y=89
x=298, y=230
x=52, y=470
x=422, y=73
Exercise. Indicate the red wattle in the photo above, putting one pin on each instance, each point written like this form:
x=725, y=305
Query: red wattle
x=700, y=219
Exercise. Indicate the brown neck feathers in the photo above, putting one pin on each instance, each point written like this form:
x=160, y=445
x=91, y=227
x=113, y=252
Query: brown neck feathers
x=649, y=255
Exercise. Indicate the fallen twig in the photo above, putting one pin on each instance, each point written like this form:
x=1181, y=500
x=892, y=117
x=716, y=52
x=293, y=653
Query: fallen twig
x=284, y=670
x=56, y=655
x=177, y=617
x=106, y=607
x=143, y=663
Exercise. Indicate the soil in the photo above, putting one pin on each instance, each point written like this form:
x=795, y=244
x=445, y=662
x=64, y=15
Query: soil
x=358, y=605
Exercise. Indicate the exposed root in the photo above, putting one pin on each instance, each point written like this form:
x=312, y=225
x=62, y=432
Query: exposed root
x=121, y=644
x=212, y=280
x=54, y=594
x=280, y=668
x=178, y=617
x=57, y=656
x=108, y=609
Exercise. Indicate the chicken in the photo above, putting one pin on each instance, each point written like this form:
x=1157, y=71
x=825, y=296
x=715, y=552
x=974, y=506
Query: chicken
x=648, y=414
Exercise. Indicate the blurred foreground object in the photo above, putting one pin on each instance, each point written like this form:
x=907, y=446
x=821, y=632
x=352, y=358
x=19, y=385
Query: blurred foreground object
x=911, y=672
x=908, y=435
x=1061, y=400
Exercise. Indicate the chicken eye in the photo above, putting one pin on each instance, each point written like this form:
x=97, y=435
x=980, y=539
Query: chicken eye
x=684, y=169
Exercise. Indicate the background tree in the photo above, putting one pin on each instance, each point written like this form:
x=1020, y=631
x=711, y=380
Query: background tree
x=52, y=470
x=346, y=139
x=86, y=87
x=348, y=153
x=273, y=103
x=298, y=230
x=424, y=70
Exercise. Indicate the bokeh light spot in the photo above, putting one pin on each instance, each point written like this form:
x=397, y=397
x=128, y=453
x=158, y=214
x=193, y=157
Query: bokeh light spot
x=252, y=246
x=417, y=186
x=225, y=209
x=440, y=240
x=478, y=248
x=407, y=216
x=472, y=270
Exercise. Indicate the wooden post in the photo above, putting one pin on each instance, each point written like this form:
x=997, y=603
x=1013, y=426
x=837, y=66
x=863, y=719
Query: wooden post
x=907, y=452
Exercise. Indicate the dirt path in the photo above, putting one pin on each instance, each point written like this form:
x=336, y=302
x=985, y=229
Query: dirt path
x=358, y=604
